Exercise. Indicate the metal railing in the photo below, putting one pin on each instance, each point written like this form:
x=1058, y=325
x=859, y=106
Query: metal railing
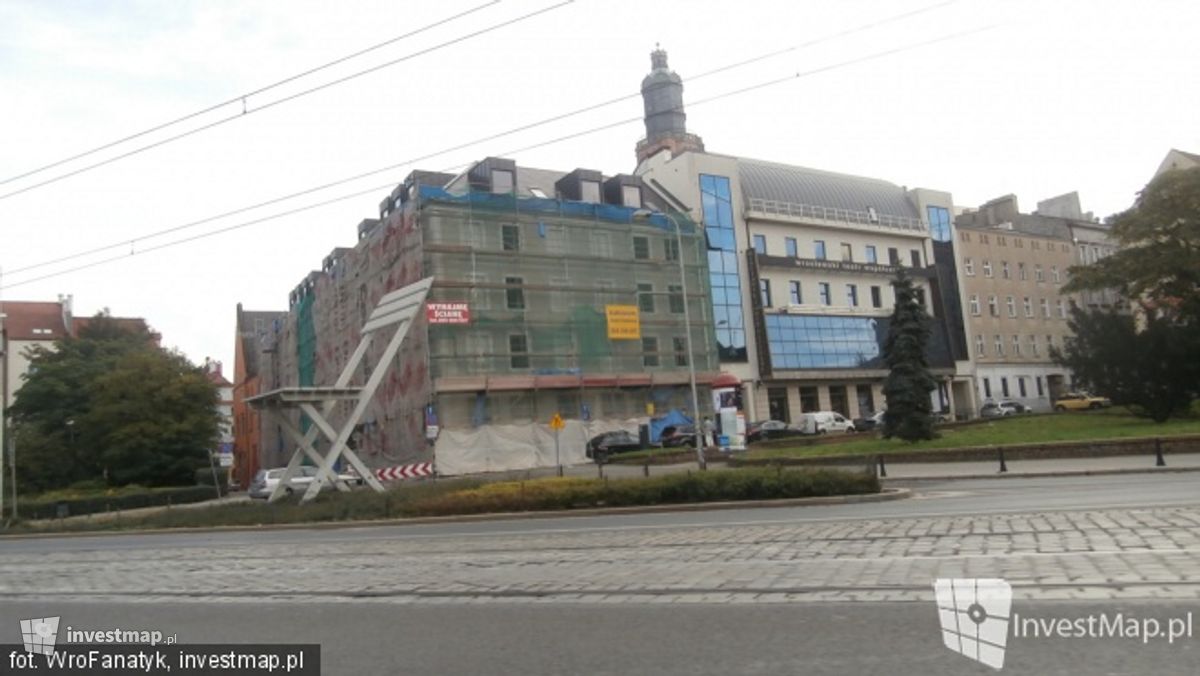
x=794, y=210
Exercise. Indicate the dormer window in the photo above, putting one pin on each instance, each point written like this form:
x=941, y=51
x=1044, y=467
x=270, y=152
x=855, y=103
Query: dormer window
x=537, y=192
x=589, y=191
x=502, y=181
x=872, y=215
x=631, y=196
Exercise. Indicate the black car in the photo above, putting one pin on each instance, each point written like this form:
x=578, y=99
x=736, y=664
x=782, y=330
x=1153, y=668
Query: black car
x=873, y=421
x=675, y=437
x=770, y=429
x=603, y=446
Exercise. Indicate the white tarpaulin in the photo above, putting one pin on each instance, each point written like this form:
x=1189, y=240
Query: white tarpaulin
x=498, y=448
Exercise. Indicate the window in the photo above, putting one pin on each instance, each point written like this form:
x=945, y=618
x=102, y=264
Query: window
x=645, y=296
x=975, y=304
x=723, y=267
x=794, y=292
x=914, y=255
x=510, y=237
x=675, y=299
x=764, y=288
x=1004, y=386
x=847, y=253
x=987, y=269
x=1062, y=310
x=993, y=309
x=1016, y=345
x=1021, y=271
x=641, y=248
x=872, y=215
x=1004, y=273
x=823, y=292
x=939, y=223
x=1040, y=390
x=1027, y=303
x=809, y=400
x=1012, y=306
x=893, y=256
x=1054, y=274
x=1045, y=308
x=1033, y=345
x=518, y=350
x=589, y=191
x=1002, y=241
x=876, y=296
x=789, y=244
x=514, y=294
x=964, y=236
x=1038, y=275
x=502, y=181
x=987, y=388
x=760, y=244
x=983, y=239
x=852, y=295
x=979, y=345
x=1021, y=381
x=670, y=249
x=681, y=355
x=969, y=267
x=870, y=254
x=819, y=250
x=631, y=196
x=998, y=343
x=1019, y=243
x=1049, y=343
x=649, y=351
x=537, y=192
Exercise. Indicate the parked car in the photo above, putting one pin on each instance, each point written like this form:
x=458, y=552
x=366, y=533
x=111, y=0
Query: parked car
x=823, y=422
x=675, y=437
x=1016, y=406
x=873, y=421
x=771, y=429
x=994, y=409
x=603, y=446
x=1080, y=401
x=267, y=479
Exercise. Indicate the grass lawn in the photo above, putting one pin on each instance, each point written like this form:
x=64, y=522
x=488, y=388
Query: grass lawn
x=1113, y=423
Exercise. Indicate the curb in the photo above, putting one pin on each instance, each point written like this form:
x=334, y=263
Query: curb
x=1037, y=475
x=886, y=495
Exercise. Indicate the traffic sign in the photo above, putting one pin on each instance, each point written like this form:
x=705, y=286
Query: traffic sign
x=556, y=423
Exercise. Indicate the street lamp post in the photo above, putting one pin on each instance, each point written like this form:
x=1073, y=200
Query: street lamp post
x=687, y=328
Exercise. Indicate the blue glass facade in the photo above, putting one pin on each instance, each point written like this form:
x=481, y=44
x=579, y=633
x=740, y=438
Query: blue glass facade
x=827, y=342
x=939, y=223
x=717, y=204
x=815, y=342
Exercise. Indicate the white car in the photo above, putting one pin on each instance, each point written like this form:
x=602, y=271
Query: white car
x=267, y=479
x=830, y=421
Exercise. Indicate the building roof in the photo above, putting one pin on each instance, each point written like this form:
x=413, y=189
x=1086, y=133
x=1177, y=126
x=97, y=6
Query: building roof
x=813, y=187
x=32, y=320
x=248, y=322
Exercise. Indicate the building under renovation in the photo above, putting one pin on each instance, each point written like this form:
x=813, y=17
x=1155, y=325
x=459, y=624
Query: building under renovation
x=553, y=293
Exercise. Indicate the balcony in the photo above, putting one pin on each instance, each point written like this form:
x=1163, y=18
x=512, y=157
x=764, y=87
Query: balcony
x=827, y=215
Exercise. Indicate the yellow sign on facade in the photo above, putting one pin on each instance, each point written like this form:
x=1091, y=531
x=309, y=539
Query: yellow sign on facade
x=623, y=322
x=556, y=423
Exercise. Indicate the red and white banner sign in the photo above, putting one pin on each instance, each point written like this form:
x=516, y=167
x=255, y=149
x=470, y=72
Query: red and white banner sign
x=404, y=471
x=448, y=313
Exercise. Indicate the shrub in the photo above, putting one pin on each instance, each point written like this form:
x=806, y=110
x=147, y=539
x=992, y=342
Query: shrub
x=46, y=507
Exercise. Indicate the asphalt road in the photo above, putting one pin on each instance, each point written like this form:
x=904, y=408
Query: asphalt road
x=838, y=589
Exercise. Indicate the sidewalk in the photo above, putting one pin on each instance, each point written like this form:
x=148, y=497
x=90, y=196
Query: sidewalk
x=1117, y=464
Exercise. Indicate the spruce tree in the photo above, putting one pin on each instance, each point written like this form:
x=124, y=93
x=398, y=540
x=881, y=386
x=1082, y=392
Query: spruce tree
x=909, y=382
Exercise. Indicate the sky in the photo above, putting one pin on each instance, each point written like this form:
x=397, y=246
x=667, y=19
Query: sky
x=979, y=98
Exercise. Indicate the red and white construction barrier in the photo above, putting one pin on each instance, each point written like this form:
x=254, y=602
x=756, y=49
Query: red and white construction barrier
x=404, y=471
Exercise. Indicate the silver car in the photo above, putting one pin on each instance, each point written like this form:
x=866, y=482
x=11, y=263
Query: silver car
x=267, y=479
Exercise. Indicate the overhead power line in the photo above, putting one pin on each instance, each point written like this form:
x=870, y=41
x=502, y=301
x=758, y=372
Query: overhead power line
x=271, y=104
x=290, y=212
x=477, y=141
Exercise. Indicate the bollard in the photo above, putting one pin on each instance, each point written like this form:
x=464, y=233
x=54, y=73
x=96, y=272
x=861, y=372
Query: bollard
x=600, y=469
x=646, y=469
x=560, y=470
x=882, y=467
x=1003, y=465
x=1159, y=460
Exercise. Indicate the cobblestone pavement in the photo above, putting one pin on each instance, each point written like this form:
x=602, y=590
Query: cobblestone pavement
x=1145, y=553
